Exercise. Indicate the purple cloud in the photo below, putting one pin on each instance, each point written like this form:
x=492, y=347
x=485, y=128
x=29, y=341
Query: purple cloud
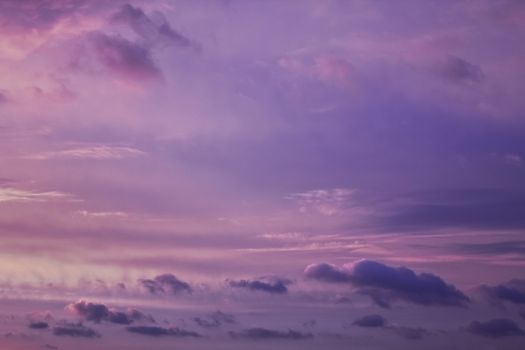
x=495, y=328
x=99, y=312
x=384, y=283
x=165, y=283
x=272, y=285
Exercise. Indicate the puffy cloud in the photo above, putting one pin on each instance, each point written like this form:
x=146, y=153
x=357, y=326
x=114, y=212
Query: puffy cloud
x=495, y=328
x=77, y=330
x=268, y=285
x=165, y=283
x=263, y=333
x=215, y=320
x=155, y=331
x=99, y=312
x=372, y=321
x=384, y=283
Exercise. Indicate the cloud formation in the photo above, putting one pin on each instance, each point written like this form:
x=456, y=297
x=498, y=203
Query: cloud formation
x=384, y=283
x=76, y=330
x=266, y=334
x=371, y=321
x=268, y=285
x=215, y=319
x=99, y=312
x=155, y=331
x=153, y=30
x=165, y=283
x=495, y=328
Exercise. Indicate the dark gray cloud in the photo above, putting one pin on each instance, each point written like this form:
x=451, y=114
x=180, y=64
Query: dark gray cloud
x=39, y=325
x=77, y=330
x=459, y=70
x=263, y=333
x=124, y=58
x=153, y=29
x=155, y=331
x=495, y=328
x=165, y=283
x=372, y=321
x=274, y=285
x=512, y=291
x=99, y=312
x=384, y=283
x=215, y=320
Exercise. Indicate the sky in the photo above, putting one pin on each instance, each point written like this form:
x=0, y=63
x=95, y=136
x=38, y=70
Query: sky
x=279, y=174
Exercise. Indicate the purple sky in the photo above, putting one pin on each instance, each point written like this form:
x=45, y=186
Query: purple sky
x=232, y=174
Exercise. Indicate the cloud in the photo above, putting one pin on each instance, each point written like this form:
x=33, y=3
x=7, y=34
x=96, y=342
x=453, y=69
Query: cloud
x=411, y=333
x=77, y=330
x=8, y=194
x=371, y=321
x=99, y=312
x=165, y=283
x=155, y=331
x=458, y=70
x=270, y=285
x=384, y=283
x=495, y=328
x=215, y=320
x=154, y=30
x=124, y=58
x=512, y=291
x=93, y=152
x=263, y=333
x=39, y=325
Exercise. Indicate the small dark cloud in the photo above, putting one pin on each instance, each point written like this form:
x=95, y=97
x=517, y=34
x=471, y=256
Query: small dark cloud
x=155, y=331
x=459, y=70
x=496, y=328
x=384, y=283
x=153, y=29
x=309, y=324
x=49, y=346
x=263, y=333
x=126, y=59
x=275, y=285
x=512, y=292
x=215, y=320
x=39, y=325
x=77, y=330
x=411, y=333
x=99, y=312
x=371, y=321
x=165, y=283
